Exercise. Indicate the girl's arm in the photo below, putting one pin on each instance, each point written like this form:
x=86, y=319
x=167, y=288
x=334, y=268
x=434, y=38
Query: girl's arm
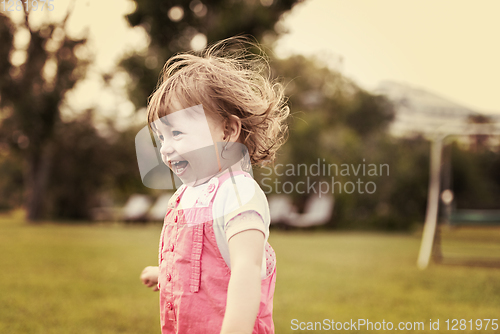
x=243, y=294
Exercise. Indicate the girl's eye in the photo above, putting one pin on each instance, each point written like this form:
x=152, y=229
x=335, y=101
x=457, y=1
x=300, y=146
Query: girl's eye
x=176, y=133
x=161, y=137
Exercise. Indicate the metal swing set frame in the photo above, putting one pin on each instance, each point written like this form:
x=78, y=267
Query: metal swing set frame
x=433, y=198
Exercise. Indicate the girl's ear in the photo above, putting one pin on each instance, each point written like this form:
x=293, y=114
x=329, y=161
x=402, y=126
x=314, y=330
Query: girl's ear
x=232, y=129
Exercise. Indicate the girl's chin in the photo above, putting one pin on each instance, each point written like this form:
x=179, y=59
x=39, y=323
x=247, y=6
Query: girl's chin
x=195, y=176
x=197, y=182
x=194, y=181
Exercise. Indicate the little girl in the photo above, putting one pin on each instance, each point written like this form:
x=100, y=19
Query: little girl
x=216, y=114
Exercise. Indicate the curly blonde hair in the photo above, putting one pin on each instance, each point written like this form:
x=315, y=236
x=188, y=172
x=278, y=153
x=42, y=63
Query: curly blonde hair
x=228, y=80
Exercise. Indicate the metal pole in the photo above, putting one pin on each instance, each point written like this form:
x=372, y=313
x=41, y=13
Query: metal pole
x=432, y=204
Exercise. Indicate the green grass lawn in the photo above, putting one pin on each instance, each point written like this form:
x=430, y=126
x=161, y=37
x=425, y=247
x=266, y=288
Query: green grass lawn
x=82, y=278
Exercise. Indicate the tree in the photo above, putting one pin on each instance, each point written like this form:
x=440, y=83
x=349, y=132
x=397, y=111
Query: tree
x=182, y=25
x=370, y=113
x=89, y=166
x=31, y=94
x=334, y=121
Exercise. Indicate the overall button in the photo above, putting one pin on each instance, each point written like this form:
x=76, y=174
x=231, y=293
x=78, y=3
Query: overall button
x=178, y=199
x=169, y=277
x=170, y=305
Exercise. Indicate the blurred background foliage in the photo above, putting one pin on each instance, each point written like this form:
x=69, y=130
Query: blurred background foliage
x=60, y=169
x=475, y=177
x=182, y=25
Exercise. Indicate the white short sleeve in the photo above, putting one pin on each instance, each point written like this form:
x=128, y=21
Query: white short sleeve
x=232, y=199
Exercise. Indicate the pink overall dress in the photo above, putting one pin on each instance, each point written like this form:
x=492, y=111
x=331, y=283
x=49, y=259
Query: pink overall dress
x=194, y=277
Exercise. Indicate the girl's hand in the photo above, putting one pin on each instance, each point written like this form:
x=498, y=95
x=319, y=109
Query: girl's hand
x=149, y=277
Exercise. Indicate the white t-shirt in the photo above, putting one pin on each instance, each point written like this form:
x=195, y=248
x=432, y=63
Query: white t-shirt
x=231, y=200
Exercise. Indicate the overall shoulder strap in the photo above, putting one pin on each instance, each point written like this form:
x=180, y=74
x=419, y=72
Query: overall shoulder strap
x=230, y=175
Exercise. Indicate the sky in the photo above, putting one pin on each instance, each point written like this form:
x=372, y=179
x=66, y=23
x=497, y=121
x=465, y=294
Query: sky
x=449, y=47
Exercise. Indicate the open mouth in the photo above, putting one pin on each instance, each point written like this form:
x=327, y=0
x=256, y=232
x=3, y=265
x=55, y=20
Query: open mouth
x=178, y=166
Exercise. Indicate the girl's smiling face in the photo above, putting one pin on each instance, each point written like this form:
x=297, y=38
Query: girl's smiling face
x=191, y=143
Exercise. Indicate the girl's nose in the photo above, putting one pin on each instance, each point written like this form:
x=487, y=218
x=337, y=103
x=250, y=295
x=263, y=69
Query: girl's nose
x=166, y=148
